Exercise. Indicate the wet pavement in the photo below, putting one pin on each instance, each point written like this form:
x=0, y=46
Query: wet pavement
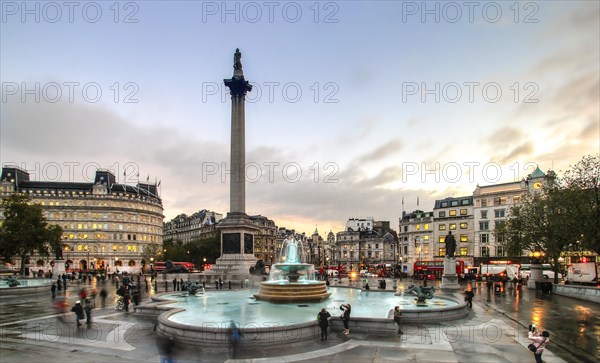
x=494, y=331
x=574, y=324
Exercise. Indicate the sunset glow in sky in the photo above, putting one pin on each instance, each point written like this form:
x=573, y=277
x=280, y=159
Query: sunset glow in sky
x=356, y=105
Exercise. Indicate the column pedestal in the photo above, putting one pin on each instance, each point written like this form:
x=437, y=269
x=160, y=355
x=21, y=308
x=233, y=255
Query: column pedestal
x=450, y=278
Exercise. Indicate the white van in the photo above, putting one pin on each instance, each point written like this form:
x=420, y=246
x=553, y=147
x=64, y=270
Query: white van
x=547, y=272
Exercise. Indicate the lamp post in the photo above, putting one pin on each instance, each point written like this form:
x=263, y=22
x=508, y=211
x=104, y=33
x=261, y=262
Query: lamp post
x=152, y=264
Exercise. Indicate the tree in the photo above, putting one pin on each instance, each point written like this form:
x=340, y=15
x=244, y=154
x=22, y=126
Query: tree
x=582, y=182
x=25, y=230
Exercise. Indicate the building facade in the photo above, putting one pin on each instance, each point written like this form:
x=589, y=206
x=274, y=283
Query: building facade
x=265, y=241
x=184, y=228
x=454, y=215
x=106, y=225
x=491, y=206
x=415, y=239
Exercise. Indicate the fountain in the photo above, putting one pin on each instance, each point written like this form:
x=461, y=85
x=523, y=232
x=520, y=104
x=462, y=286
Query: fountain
x=292, y=280
x=422, y=293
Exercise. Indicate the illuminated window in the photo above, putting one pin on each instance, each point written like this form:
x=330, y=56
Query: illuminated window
x=85, y=248
x=463, y=212
x=442, y=239
x=79, y=247
x=442, y=227
x=94, y=226
x=452, y=226
x=128, y=248
x=426, y=226
x=464, y=238
x=426, y=237
x=463, y=226
x=79, y=226
x=71, y=236
x=464, y=251
x=114, y=247
x=452, y=213
x=418, y=227
x=442, y=252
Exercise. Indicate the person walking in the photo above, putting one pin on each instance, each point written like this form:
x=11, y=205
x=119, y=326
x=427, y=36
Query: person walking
x=103, y=295
x=469, y=297
x=398, y=319
x=88, y=311
x=541, y=340
x=78, y=310
x=323, y=317
x=235, y=338
x=53, y=290
x=346, y=308
x=175, y=284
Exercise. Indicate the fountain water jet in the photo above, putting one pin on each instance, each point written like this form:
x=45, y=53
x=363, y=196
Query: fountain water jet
x=291, y=280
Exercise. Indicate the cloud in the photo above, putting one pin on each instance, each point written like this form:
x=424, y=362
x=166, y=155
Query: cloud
x=389, y=148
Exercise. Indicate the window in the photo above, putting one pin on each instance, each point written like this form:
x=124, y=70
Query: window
x=463, y=226
x=464, y=251
x=452, y=226
x=418, y=227
x=484, y=202
x=484, y=226
x=498, y=223
x=485, y=251
x=484, y=238
x=406, y=250
x=483, y=214
x=463, y=212
x=426, y=226
x=442, y=214
x=426, y=237
x=442, y=239
x=442, y=227
x=426, y=248
x=442, y=252
x=464, y=238
x=454, y=203
x=464, y=202
x=452, y=213
x=444, y=204
x=516, y=199
x=500, y=251
x=499, y=213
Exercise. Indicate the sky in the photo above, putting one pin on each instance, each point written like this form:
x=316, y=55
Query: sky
x=358, y=108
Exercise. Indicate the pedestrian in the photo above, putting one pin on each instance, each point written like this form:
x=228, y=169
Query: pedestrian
x=541, y=340
x=469, y=297
x=53, y=290
x=103, y=295
x=136, y=297
x=78, y=310
x=216, y=284
x=235, y=338
x=323, y=317
x=367, y=285
x=88, y=311
x=165, y=348
x=83, y=294
x=398, y=319
x=346, y=308
x=181, y=284
x=126, y=301
x=175, y=284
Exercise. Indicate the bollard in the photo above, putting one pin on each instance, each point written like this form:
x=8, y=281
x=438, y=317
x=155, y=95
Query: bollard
x=229, y=284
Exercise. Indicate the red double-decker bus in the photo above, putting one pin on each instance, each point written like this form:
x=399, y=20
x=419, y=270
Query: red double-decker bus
x=434, y=269
x=160, y=266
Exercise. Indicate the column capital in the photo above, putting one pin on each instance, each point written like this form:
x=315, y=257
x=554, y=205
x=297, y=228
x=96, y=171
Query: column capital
x=238, y=86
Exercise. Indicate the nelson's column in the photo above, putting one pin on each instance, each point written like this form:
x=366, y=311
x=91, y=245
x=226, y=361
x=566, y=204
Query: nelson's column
x=237, y=230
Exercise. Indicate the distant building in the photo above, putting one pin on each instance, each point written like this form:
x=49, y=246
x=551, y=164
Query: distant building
x=415, y=238
x=265, y=241
x=106, y=225
x=492, y=204
x=184, y=228
x=454, y=215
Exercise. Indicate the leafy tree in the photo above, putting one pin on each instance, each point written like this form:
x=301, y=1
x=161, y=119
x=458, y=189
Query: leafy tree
x=200, y=248
x=563, y=217
x=25, y=230
x=582, y=182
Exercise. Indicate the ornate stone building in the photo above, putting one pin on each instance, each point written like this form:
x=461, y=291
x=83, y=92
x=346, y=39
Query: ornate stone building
x=454, y=215
x=106, y=225
x=415, y=238
x=184, y=228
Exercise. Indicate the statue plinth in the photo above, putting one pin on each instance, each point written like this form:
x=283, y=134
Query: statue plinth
x=59, y=267
x=450, y=278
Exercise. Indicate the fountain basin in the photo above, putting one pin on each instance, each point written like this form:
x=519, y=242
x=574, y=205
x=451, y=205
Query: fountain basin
x=284, y=292
x=205, y=320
